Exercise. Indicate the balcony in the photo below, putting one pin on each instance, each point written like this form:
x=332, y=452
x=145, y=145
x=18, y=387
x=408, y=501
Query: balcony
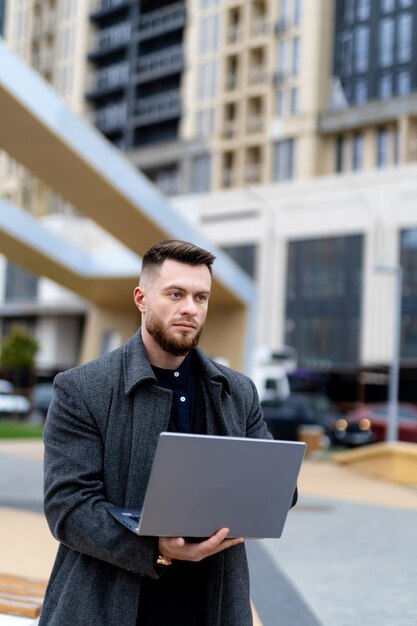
x=99, y=7
x=162, y=21
x=255, y=124
x=231, y=81
x=45, y=25
x=110, y=39
x=111, y=118
x=259, y=27
x=233, y=33
x=253, y=173
x=229, y=129
x=158, y=64
x=258, y=75
x=229, y=177
x=108, y=79
x=157, y=108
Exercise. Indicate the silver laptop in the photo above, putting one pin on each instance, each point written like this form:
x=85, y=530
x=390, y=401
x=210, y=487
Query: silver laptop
x=201, y=483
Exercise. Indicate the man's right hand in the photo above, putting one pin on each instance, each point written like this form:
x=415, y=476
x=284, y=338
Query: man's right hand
x=180, y=549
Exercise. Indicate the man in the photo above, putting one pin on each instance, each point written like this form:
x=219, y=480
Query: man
x=100, y=439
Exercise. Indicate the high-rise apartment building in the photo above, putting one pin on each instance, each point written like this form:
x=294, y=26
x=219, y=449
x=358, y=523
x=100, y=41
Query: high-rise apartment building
x=372, y=118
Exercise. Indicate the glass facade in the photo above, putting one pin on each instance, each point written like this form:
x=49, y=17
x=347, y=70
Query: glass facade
x=408, y=255
x=374, y=48
x=21, y=286
x=244, y=256
x=324, y=286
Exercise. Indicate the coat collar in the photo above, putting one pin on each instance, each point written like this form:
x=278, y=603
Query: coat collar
x=137, y=368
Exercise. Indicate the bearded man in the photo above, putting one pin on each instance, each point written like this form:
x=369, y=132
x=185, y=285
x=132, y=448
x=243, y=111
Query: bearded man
x=100, y=439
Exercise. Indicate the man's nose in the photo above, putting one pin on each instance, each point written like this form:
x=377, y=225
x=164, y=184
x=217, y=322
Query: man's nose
x=189, y=306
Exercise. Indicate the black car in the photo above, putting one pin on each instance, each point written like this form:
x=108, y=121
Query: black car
x=285, y=418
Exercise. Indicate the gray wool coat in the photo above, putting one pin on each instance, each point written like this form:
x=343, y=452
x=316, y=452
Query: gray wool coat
x=100, y=438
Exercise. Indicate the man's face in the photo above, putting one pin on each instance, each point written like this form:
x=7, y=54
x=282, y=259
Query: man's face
x=173, y=303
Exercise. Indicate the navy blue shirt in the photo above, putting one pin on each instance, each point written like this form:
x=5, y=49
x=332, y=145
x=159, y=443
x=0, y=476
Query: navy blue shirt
x=181, y=382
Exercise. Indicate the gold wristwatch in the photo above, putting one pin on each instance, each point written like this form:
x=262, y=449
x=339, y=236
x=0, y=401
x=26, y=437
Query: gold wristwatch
x=163, y=560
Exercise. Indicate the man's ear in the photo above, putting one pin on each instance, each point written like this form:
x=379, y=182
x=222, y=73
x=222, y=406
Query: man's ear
x=139, y=298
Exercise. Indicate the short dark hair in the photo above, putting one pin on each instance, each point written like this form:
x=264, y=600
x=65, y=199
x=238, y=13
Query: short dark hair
x=177, y=250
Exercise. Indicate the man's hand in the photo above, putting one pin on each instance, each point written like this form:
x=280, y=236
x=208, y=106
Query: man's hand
x=178, y=548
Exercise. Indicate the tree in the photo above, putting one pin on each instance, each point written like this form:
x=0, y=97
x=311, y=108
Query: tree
x=17, y=356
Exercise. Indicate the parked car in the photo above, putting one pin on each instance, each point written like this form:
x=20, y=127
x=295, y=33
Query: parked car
x=11, y=404
x=377, y=415
x=41, y=398
x=285, y=418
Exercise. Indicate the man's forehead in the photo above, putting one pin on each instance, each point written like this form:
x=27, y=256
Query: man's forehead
x=171, y=270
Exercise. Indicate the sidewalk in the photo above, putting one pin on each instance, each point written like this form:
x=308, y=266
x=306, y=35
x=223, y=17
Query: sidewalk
x=348, y=554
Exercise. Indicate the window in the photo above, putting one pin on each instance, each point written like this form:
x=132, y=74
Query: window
x=404, y=37
x=361, y=49
x=243, y=256
x=386, y=42
x=324, y=285
x=387, y=6
x=348, y=12
x=382, y=147
x=408, y=246
x=282, y=57
x=385, y=86
x=284, y=160
x=403, y=83
x=209, y=34
x=20, y=284
x=360, y=91
x=280, y=108
x=297, y=12
x=207, y=81
x=205, y=122
x=357, y=151
x=363, y=9
x=294, y=99
x=295, y=68
x=340, y=154
x=200, y=173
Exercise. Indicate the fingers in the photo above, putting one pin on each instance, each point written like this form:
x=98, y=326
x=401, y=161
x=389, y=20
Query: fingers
x=178, y=548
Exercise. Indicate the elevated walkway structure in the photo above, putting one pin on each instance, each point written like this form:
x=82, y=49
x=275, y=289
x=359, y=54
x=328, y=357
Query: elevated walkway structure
x=39, y=131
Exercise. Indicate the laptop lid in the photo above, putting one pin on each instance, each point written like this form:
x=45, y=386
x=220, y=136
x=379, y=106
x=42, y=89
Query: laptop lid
x=201, y=483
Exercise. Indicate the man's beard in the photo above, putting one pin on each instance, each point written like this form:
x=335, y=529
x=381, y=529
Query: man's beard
x=172, y=345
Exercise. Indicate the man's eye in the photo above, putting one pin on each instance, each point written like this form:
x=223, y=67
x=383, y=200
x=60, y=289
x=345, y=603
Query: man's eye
x=202, y=298
x=175, y=294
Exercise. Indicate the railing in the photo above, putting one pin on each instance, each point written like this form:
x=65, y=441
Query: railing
x=229, y=128
x=259, y=26
x=103, y=5
x=229, y=177
x=231, y=81
x=110, y=77
x=160, y=62
x=166, y=18
x=112, y=37
x=110, y=117
x=161, y=106
x=253, y=173
x=233, y=33
x=255, y=124
x=258, y=74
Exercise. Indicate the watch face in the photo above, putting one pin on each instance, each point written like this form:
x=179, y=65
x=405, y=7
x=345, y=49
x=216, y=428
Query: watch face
x=163, y=560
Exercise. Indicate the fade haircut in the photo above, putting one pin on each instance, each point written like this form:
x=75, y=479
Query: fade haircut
x=177, y=250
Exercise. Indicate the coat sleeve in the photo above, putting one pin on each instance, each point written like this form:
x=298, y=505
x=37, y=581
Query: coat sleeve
x=74, y=494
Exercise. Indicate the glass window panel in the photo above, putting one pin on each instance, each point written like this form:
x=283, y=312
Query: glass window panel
x=284, y=153
x=404, y=37
x=294, y=100
x=244, y=256
x=387, y=6
x=357, y=151
x=363, y=9
x=361, y=49
x=386, y=42
x=200, y=173
x=360, y=91
x=20, y=284
x=403, y=83
x=340, y=154
x=382, y=147
x=295, y=56
x=385, y=86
